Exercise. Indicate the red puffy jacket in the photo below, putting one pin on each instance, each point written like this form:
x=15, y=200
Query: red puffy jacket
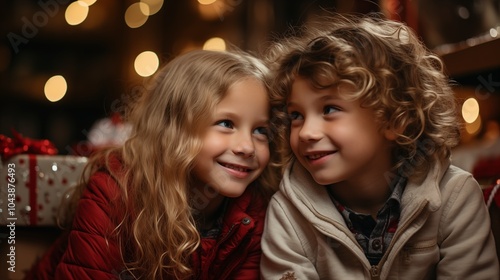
x=88, y=251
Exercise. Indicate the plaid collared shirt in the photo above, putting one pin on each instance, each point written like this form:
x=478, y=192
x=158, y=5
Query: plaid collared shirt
x=374, y=236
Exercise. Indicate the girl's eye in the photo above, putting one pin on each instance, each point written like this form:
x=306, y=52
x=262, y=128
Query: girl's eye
x=330, y=109
x=295, y=115
x=225, y=123
x=261, y=130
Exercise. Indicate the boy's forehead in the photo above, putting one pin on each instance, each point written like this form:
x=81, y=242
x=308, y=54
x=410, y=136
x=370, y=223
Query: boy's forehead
x=339, y=88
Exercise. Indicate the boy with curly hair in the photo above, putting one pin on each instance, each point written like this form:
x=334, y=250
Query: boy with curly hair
x=369, y=192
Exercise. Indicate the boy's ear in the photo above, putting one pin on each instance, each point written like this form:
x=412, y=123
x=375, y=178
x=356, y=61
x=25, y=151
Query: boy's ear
x=392, y=133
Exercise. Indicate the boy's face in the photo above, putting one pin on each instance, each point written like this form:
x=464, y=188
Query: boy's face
x=235, y=147
x=336, y=140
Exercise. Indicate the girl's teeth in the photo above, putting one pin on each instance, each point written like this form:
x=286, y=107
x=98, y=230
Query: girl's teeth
x=235, y=168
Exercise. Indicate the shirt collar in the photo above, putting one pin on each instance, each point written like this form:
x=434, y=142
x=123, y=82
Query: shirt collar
x=397, y=185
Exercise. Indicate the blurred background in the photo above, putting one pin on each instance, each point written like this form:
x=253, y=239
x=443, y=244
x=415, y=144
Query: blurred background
x=67, y=68
x=65, y=65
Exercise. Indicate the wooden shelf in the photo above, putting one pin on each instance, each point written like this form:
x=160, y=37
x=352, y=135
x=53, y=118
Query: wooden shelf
x=470, y=60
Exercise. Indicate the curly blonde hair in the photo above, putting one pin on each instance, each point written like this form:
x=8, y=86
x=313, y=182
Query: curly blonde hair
x=169, y=120
x=392, y=72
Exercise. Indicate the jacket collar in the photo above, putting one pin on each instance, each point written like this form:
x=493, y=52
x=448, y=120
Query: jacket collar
x=242, y=210
x=425, y=189
x=314, y=203
x=309, y=197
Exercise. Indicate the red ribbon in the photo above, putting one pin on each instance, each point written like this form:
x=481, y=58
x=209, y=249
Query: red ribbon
x=10, y=147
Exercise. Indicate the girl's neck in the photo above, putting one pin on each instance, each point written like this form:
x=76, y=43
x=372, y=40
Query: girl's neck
x=207, y=205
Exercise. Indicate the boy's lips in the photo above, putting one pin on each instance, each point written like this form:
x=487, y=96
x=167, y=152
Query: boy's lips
x=317, y=155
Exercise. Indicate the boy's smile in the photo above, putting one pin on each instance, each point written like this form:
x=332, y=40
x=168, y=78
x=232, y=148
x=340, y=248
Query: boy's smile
x=336, y=139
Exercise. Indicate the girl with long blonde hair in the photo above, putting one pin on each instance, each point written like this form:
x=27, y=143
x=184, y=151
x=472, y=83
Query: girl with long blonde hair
x=185, y=196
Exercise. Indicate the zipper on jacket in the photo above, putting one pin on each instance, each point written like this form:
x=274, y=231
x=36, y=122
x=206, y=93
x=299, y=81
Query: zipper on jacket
x=402, y=229
x=224, y=238
x=375, y=272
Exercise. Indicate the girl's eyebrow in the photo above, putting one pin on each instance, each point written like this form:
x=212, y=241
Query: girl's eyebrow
x=227, y=114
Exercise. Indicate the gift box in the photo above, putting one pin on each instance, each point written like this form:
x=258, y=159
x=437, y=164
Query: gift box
x=34, y=185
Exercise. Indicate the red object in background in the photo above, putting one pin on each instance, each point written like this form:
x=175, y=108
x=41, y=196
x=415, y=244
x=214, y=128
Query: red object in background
x=489, y=169
x=492, y=194
x=22, y=145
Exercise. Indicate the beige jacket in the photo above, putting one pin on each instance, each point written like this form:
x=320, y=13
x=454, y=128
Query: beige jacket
x=444, y=233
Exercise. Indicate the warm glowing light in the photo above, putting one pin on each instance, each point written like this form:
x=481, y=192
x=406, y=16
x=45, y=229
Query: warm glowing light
x=493, y=32
x=474, y=127
x=55, y=88
x=215, y=44
x=76, y=12
x=135, y=15
x=89, y=2
x=470, y=110
x=211, y=12
x=154, y=6
x=146, y=63
x=206, y=2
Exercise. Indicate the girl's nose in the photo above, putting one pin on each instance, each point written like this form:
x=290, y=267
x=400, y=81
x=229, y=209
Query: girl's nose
x=244, y=146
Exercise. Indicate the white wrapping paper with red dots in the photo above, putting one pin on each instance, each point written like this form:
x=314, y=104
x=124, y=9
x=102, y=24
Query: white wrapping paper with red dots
x=32, y=187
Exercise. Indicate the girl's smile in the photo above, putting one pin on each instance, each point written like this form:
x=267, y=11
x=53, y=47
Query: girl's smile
x=236, y=147
x=238, y=171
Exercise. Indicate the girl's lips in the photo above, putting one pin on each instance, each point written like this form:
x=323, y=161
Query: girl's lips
x=238, y=171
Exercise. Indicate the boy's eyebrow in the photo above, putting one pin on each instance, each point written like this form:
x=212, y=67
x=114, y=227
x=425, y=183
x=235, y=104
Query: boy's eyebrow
x=291, y=104
x=330, y=96
x=324, y=97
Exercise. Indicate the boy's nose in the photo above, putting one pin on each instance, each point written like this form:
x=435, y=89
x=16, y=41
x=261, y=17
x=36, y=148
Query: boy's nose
x=310, y=131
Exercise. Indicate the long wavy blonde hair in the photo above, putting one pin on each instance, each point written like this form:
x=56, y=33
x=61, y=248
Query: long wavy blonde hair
x=392, y=72
x=169, y=120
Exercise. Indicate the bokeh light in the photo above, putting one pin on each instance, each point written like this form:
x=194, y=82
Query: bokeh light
x=215, y=44
x=474, y=127
x=89, y=2
x=146, y=63
x=136, y=15
x=76, y=12
x=206, y=2
x=55, y=88
x=154, y=6
x=470, y=110
x=493, y=32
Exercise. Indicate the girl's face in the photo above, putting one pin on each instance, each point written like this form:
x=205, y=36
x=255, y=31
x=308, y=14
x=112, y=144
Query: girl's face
x=235, y=149
x=335, y=139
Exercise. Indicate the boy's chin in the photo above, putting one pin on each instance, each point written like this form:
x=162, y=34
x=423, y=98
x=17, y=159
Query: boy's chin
x=321, y=179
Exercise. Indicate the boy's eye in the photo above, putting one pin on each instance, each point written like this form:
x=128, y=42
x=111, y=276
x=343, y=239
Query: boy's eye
x=225, y=123
x=295, y=115
x=329, y=109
